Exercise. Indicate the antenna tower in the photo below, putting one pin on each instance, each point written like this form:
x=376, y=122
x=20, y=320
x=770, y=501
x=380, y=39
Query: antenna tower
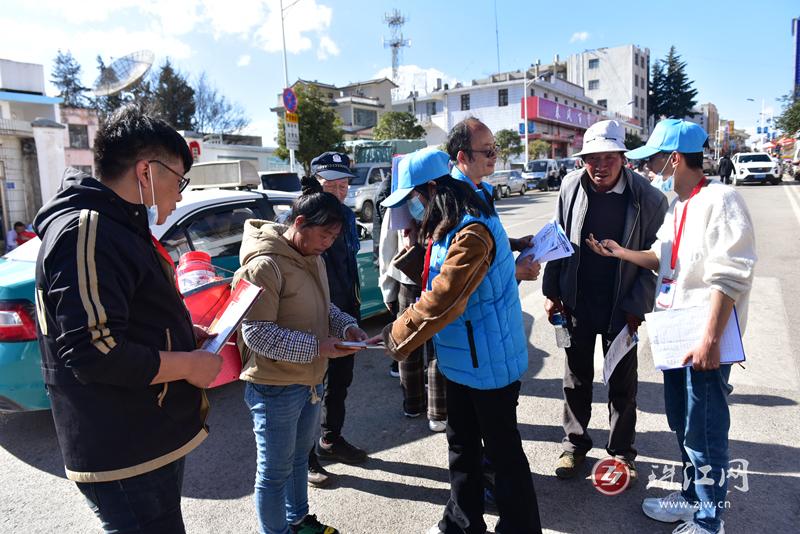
x=395, y=21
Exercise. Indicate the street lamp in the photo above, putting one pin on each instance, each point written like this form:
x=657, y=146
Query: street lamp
x=525, y=118
x=286, y=76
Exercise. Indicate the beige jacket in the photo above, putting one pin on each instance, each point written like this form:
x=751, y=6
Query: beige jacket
x=295, y=299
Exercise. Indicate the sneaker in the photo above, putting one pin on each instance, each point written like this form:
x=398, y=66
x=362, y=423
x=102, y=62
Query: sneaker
x=690, y=527
x=437, y=426
x=411, y=415
x=434, y=530
x=568, y=464
x=394, y=370
x=340, y=451
x=318, y=477
x=633, y=474
x=310, y=525
x=669, y=509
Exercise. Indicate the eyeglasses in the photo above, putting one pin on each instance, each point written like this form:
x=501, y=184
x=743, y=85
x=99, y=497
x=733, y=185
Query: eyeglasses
x=183, y=181
x=489, y=153
x=656, y=156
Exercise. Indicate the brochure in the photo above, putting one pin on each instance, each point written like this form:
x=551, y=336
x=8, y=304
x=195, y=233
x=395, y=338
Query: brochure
x=359, y=345
x=242, y=298
x=550, y=243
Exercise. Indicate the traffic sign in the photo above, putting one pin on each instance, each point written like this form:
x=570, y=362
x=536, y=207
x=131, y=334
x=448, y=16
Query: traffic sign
x=290, y=100
x=291, y=129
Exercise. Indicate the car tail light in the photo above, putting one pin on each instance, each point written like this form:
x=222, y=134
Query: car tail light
x=17, y=321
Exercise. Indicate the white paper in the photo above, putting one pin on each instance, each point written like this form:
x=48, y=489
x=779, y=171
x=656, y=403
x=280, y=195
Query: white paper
x=241, y=300
x=621, y=345
x=550, y=243
x=673, y=333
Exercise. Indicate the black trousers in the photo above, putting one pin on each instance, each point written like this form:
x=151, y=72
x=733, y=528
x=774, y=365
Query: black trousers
x=622, y=386
x=484, y=422
x=338, y=379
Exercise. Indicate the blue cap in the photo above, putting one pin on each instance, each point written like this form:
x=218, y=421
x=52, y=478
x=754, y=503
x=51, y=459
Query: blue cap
x=415, y=169
x=672, y=135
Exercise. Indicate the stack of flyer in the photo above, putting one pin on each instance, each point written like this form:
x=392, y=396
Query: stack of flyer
x=550, y=243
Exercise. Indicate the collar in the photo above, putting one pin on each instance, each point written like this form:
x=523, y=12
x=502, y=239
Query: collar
x=619, y=188
x=458, y=174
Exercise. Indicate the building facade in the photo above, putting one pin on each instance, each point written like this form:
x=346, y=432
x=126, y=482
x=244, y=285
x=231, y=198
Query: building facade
x=558, y=111
x=359, y=105
x=216, y=147
x=616, y=78
x=81, y=129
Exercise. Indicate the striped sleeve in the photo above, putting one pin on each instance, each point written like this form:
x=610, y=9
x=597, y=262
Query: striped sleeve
x=92, y=273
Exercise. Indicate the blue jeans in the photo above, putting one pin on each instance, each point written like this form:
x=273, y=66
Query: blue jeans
x=148, y=503
x=285, y=423
x=697, y=410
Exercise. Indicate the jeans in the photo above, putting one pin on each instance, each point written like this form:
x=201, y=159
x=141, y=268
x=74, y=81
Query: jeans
x=487, y=417
x=148, y=503
x=697, y=410
x=285, y=425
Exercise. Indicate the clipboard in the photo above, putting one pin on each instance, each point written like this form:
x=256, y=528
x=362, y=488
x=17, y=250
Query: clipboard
x=228, y=319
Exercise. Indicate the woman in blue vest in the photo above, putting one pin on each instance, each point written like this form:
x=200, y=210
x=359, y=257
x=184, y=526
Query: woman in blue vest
x=471, y=309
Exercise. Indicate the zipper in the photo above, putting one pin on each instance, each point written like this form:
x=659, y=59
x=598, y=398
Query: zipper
x=471, y=338
x=619, y=267
x=165, y=386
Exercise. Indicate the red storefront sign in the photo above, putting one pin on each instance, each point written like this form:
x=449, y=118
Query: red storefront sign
x=547, y=110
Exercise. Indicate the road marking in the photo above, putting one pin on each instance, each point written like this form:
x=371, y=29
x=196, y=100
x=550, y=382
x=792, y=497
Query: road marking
x=791, y=192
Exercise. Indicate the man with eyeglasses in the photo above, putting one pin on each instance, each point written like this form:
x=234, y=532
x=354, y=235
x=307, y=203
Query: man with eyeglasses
x=118, y=346
x=599, y=295
x=472, y=149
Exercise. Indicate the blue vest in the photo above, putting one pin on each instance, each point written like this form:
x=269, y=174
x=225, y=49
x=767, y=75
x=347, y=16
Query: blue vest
x=485, y=347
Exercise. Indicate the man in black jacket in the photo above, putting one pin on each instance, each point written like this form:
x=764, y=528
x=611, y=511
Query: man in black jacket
x=725, y=169
x=117, y=343
x=602, y=297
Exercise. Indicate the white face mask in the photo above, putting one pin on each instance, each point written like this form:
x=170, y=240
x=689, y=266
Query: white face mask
x=152, y=211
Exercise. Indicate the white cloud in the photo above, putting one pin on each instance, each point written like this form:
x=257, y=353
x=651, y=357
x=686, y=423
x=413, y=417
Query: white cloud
x=579, y=36
x=266, y=128
x=243, y=61
x=326, y=48
x=416, y=78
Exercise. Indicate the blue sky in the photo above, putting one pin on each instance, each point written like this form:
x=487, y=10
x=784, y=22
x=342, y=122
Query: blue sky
x=732, y=53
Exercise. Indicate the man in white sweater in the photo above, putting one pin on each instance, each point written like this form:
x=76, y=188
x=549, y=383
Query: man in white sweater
x=704, y=255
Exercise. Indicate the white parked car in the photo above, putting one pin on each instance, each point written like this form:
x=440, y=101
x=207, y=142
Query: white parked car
x=754, y=167
x=364, y=187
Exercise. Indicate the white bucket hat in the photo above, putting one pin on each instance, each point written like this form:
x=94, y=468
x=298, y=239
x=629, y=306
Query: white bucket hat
x=603, y=136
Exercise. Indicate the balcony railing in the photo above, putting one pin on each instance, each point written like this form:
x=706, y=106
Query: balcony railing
x=15, y=127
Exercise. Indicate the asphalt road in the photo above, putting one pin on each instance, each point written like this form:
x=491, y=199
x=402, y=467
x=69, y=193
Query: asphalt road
x=404, y=485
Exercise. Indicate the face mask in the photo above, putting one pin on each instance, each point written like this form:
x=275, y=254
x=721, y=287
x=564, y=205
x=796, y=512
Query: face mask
x=664, y=185
x=416, y=208
x=152, y=211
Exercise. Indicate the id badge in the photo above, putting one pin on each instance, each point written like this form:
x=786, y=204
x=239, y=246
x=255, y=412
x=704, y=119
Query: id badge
x=666, y=294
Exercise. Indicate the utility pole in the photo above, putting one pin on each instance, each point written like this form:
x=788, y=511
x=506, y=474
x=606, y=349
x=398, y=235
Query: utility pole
x=497, y=36
x=525, y=112
x=286, y=78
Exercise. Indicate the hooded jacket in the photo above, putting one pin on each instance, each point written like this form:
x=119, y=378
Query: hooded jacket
x=295, y=297
x=106, y=305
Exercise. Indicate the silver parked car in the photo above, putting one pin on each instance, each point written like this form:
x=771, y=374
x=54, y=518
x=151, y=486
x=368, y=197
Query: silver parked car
x=507, y=182
x=364, y=187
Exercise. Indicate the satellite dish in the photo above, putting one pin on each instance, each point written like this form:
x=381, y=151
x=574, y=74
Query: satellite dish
x=123, y=73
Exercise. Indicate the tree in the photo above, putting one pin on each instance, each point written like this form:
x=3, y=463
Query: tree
x=320, y=128
x=213, y=112
x=632, y=141
x=789, y=119
x=508, y=145
x=398, y=125
x=173, y=98
x=66, y=75
x=673, y=95
x=654, y=95
x=538, y=149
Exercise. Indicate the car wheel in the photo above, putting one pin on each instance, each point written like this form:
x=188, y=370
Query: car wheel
x=367, y=211
x=522, y=190
x=506, y=192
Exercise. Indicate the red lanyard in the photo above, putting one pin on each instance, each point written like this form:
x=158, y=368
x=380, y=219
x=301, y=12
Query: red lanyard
x=427, y=269
x=678, y=231
x=162, y=251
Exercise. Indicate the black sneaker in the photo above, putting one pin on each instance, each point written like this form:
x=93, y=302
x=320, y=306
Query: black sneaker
x=340, y=451
x=310, y=525
x=394, y=370
x=318, y=477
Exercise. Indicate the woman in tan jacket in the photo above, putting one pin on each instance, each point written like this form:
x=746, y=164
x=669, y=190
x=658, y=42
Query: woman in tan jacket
x=286, y=341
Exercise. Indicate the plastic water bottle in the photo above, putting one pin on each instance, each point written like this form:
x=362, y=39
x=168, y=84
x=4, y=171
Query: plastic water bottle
x=562, y=334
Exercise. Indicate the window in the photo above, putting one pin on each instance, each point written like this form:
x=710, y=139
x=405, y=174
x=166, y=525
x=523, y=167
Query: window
x=556, y=99
x=603, y=103
x=84, y=168
x=594, y=63
x=410, y=108
x=502, y=97
x=636, y=101
x=78, y=136
x=464, y=102
x=220, y=233
x=533, y=92
x=636, y=80
x=636, y=58
x=375, y=176
x=545, y=95
x=365, y=117
x=594, y=84
x=430, y=108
